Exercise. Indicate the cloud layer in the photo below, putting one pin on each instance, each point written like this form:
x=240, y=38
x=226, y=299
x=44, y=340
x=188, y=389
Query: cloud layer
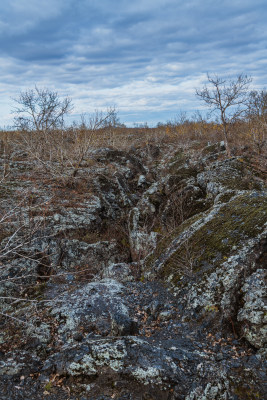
x=146, y=57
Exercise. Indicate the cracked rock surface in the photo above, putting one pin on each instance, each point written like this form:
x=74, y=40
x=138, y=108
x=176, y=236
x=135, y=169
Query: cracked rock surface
x=145, y=279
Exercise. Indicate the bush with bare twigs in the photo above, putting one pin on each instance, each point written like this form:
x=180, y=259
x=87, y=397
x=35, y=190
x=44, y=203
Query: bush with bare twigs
x=22, y=266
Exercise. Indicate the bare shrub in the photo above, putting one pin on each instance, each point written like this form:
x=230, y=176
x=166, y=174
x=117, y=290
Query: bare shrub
x=21, y=265
x=61, y=153
x=27, y=261
x=257, y=118
x=186, y=260
x=8, y=147
x=176, y=209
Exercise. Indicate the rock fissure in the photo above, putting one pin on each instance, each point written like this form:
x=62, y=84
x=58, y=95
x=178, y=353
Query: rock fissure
x=146, y=280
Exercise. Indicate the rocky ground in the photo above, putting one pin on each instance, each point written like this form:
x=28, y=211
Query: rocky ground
x=142, y=278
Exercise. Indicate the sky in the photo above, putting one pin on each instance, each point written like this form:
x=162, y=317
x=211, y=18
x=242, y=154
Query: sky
x=144, y=57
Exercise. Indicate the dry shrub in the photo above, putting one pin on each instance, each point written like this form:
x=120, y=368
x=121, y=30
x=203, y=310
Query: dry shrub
x=186, y=260
x=61, y=154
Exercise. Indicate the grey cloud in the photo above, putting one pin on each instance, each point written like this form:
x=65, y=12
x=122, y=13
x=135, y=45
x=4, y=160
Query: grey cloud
x=142, y=55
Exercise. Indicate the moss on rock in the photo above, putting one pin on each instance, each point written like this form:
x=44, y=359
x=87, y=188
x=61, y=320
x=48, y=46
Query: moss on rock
x=223, y=231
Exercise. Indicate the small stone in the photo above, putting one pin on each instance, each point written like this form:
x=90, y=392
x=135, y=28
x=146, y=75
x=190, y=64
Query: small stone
x=235, y=364
x=56, y=217
x=222, y=145
x=141, y=180
x=165, y=315
x=122, y=325
x=219, y=357
x=78, y=337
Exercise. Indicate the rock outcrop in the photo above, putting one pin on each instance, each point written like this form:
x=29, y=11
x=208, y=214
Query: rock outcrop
x=145, y=278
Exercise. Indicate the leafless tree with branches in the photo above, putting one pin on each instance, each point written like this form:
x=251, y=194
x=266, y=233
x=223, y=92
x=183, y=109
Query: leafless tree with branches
x=227, y=99
x=55, y=149
x=40, y=110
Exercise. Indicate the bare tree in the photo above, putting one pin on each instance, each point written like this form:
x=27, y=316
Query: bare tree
x=54, y=148
x=40, y=110
x=228, y=98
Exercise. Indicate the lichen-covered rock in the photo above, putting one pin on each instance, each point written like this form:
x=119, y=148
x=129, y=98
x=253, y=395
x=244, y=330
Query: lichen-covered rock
x=253, y=314
x=97, y=307
x=19, y=363
x=207, y=258
x=122, y=272
x=84, y=215
x=134, y=359
x=227, y=174
x=145, y=279
x=102, y=253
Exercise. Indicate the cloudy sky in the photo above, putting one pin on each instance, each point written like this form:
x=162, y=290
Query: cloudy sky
x=146, y=57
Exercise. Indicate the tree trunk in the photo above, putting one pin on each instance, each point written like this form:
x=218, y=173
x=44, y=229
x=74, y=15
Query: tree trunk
x=225, y=133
